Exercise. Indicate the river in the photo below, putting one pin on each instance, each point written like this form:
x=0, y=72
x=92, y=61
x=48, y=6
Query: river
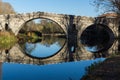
x=49, y=58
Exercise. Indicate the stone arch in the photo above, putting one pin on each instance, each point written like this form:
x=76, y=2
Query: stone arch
x=82, y=29
x=42, y=18
x=82, y=23
x=59, y=19
x=112, y=23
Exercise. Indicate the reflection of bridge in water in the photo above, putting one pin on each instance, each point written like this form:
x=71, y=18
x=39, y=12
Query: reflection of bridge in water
x=16, y=55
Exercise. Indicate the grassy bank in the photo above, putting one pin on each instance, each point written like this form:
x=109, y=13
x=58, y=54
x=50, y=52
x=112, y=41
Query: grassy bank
x=106, y=70
x=7, y=39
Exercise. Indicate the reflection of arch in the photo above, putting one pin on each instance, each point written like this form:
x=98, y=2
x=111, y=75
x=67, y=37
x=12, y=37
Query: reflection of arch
x=62, y=27
x=91, y=30
x=59, y=51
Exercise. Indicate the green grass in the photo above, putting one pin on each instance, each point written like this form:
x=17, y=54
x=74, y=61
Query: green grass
x=7, y=40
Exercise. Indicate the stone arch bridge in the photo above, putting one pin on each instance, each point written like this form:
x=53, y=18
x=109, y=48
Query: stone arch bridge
x=66, y=22
x=15, y=21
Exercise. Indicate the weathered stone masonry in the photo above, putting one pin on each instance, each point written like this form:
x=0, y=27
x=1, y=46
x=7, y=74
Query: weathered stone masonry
x=15, y=22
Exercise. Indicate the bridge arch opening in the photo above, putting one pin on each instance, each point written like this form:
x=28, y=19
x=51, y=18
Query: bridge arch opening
x=42, y=21
x=41, y=35
x=97, y=38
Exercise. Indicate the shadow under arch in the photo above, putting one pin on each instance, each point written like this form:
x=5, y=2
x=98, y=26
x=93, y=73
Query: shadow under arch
x=97, y=38
x=64, y=30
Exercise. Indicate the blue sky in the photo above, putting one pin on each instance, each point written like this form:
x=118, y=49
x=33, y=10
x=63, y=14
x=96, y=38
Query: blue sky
x=73, y=7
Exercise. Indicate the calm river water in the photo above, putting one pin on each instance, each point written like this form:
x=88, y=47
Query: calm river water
x=50, y=58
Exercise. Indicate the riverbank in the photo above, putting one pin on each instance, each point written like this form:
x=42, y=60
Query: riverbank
x=107, y=70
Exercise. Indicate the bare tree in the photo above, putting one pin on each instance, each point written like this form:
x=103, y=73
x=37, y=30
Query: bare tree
x=0, y=6
x=6, y=8
x=107, y=5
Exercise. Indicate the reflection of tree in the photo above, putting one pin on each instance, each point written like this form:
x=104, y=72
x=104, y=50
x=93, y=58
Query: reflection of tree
x=46, y=40
x=49, y=40
x=30, y=47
